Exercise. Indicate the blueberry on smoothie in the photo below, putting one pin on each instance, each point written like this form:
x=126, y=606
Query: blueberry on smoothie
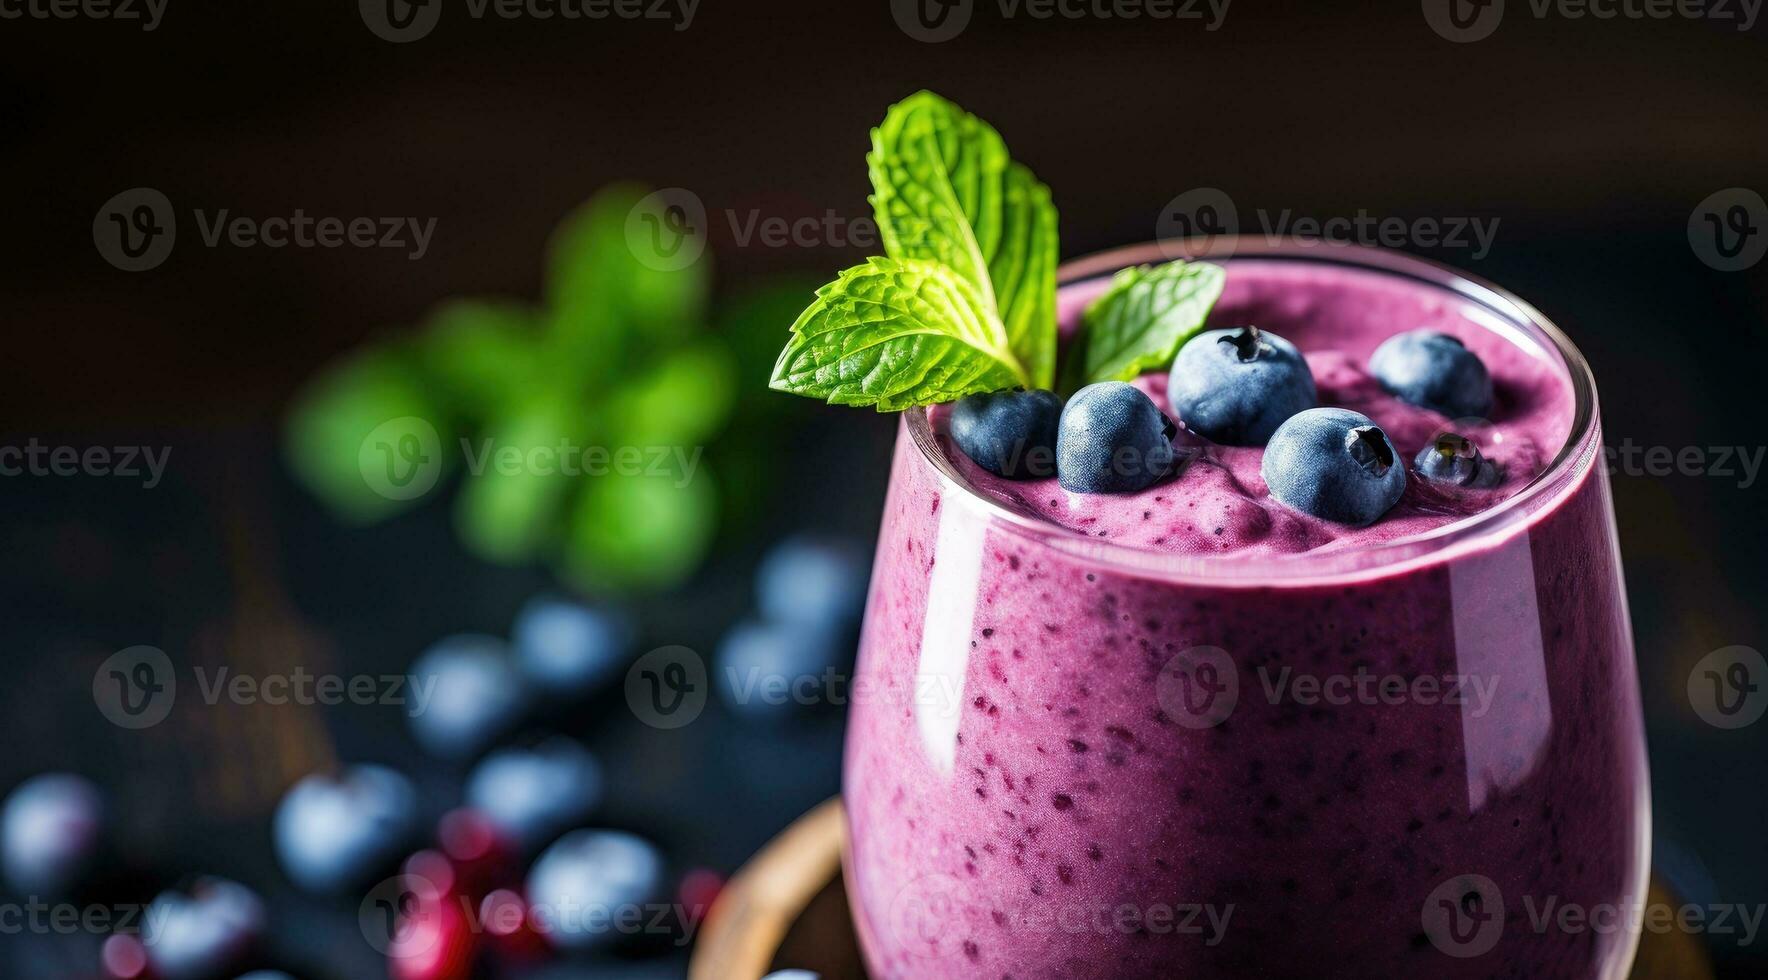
x=1456, y=460
x=1112, y=439
x=1433, y=370
x=1237, y=386
x=1009, y=433
x=1335, y=464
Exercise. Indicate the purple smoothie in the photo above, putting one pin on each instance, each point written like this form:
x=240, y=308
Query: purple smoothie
x=1190, y=732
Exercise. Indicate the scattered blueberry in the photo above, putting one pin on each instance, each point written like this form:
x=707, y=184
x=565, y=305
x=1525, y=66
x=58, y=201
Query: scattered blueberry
x=533, y=794
x=51, y=830
x=813, y=579
x=1456, y=460
x=1433, y=370
x=1009, y=433
x=569, y=649
x=1334, y=464
x=1237, y=386
x=766, y=669
x=334, y=832
x=202, y=934
x=465, y=694
x=581, y=886
x=1112, y=439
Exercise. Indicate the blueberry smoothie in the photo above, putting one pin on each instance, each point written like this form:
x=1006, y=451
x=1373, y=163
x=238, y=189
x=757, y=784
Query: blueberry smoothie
x=1342, y=687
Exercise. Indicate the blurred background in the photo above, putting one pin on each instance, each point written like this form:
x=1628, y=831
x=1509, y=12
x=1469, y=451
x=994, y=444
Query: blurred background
x=508, y=155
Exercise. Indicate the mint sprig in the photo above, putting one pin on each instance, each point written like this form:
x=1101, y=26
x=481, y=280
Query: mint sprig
x=945, y=189
x=966, y=300
x=895, y=333
x=1144, y=317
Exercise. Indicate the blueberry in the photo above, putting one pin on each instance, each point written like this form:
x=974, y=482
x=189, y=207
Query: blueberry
x=1335, y=464
x=200, y=935
x=813, y=579
x=51, y=830
x=1237, y=386
x=1456, y=460
x=1009, y=433
x=587, y=883
x=532, y=795
x=465, y=694
x=568, y=649
x=1112, y=440
x=766, y=669
x=1433, y=370
x=335, y=832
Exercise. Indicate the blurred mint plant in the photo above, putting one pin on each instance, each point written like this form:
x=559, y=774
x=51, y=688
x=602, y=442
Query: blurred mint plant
x=618, y=355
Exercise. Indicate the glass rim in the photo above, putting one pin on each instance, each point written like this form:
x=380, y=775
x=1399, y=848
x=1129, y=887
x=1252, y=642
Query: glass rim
x=1484, y=529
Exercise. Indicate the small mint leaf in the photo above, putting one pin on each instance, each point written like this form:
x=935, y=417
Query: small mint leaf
x=1145, y=316
x=896, y=333
x=946, y=190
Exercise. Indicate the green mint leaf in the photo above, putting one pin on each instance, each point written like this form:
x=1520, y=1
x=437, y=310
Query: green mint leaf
x=945, y=189
x=894, y=333
x=1145, y=316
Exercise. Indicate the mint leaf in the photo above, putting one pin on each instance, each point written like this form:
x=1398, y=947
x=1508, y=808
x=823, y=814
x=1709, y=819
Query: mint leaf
x=946, y=190
x=1145, y=316
x=895, y=333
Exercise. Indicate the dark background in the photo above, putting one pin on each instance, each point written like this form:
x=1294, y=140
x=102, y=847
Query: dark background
x=1590, y=141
